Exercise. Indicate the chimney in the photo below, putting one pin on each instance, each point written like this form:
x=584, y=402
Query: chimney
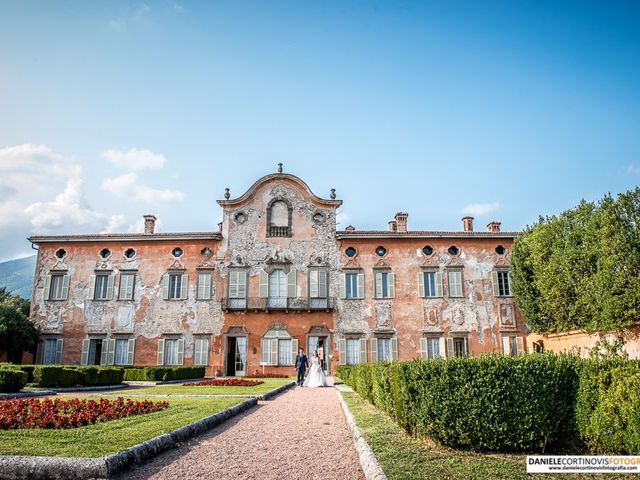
x=467, y=224
x=393, y=226
x=401, y=221
x=350, y=228
x=494, y=227
x=219, y=226
x=149, y=224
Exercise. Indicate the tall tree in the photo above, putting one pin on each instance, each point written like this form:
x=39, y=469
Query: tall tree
x=581, y=269
x=17, y=332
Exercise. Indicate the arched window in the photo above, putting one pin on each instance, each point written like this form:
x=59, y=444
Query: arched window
x=278, y=348
x=279, y=213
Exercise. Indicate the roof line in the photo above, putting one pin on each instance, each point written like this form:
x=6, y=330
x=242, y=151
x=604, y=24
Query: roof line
x=129, y=237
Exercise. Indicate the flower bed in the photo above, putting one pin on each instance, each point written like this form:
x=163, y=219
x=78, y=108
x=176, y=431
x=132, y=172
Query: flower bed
x=267, y=375
x=72, y=413
x=224, y=382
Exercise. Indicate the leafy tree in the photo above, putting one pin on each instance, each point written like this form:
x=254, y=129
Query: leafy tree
x=17, y=332
x=581, y=269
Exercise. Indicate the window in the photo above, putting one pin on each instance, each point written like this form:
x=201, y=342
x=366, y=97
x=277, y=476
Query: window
x=105, y=253
x=129, y=253
x=175, y=286
x=318, y=289
x=57, y=287
x=127, y=282
x=385, y=284
x=427, y=250
x=455, y=283
x=103, y=287
x=173, y=351
x=278, y=348
x=177, y=252
x=500, y=250
x=501, y=283
x=52, y=351
x=201, y=351
x=353, y=285
x=384, y=349
x=237, y=289
x=277, y=289
x=381, y=251
x=460, y=347
x=512, y=345
x=279, y=214
x=204, y=286
x=433, y=347
x=453, y=250
x=61, y=253
x=353, y=351
x=122, y=352
x=350, y=252
x=430, y=283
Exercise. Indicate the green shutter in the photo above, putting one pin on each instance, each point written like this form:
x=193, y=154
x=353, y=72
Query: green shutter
x=65, y=287
x=204, y=286
x=91, y=293
x=442, y=347
x=84, y=357
x=520, y=345
x=165, y=289
x=233, y=283
x=314, y=283
x=160, y=358
x=242, y=284
x=421, y=283
x=394, y=348
x=378, y=284
x=59, y=347
x=438, y=284
x=508, y=292
x=105, y=350
x=181, y=351
x=494, y=281
x=322, y=284
x=342, y=350
x=363, y=351
x=451, y=350
x=361, y=287
x=47, y=287
x=131, y=347
x=374, y=349
x=111, y=354
x=424, y=349
x=292, y=290
x=184, y=286
x=391, y=282
x=110, y=282
x=294, y=350
x=264, y=284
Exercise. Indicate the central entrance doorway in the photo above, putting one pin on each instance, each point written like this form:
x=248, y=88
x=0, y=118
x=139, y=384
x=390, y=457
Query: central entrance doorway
x=321, y=344
x=236, y=356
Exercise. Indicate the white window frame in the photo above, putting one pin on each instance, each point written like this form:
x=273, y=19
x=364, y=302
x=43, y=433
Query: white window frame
x=455, y=280
x=49, y=351
x=175, y=286
x=201, y=351
x=121, y=351
x=204, y=289
x=101, y=286
x=351, y=285
x=352, y=351
x=57, y=286
x=127, y=285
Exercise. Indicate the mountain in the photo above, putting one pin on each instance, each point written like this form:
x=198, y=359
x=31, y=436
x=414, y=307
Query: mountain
x=17, y=275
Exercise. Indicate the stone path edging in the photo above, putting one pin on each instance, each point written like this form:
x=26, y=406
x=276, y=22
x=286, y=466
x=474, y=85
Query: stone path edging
x=72, y=468
x=262, y=396
x=368, y=461
x=276, y=391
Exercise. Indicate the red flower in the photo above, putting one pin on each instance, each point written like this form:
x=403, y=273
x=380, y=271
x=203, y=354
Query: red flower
x=224, y=382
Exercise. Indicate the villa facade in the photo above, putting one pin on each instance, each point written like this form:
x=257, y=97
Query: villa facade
x=276, y=276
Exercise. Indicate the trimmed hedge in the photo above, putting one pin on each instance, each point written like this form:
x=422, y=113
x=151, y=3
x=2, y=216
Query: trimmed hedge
x=71, y=376
x=163, y=374
x=28, y=369
x=12, y=380
x=495, y=403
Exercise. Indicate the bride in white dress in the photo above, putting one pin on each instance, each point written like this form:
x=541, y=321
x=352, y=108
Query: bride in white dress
x=316, y=377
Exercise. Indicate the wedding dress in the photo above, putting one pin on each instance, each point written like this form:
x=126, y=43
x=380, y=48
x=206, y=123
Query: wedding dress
x=316, y=377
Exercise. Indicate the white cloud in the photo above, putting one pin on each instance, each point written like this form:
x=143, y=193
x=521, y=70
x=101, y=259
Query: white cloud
x=480, y=209
x=633, y=169
x=342, y=218
x=135, y=159
x=128, y=186
x=41, y=192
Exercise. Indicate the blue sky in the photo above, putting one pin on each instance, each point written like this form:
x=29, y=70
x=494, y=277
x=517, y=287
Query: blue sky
x=109, y=110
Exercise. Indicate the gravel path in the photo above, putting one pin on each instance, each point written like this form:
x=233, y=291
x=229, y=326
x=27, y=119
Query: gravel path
x=300, y=434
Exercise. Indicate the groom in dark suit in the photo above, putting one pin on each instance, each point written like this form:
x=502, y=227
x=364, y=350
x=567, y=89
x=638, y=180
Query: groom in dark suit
x=301, y=366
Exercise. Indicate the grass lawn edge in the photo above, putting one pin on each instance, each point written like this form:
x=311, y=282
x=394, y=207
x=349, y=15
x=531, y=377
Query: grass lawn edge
x=34, y=467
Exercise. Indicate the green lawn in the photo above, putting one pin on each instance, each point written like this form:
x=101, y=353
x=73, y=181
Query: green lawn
x=268, y=385
x=404, y=457
x=104, y=438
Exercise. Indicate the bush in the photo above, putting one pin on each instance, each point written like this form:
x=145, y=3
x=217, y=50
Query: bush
x=12, y=380
x=71, y=376
x=163, y=374
x=608, y=406
x=489, y=403
x=28, y=369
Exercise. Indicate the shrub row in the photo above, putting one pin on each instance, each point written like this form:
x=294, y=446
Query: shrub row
x=12, y=380
x=528, y=403
x=163, y=373
x=71, y=376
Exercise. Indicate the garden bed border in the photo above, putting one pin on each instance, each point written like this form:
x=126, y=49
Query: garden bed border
x=72, y=468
